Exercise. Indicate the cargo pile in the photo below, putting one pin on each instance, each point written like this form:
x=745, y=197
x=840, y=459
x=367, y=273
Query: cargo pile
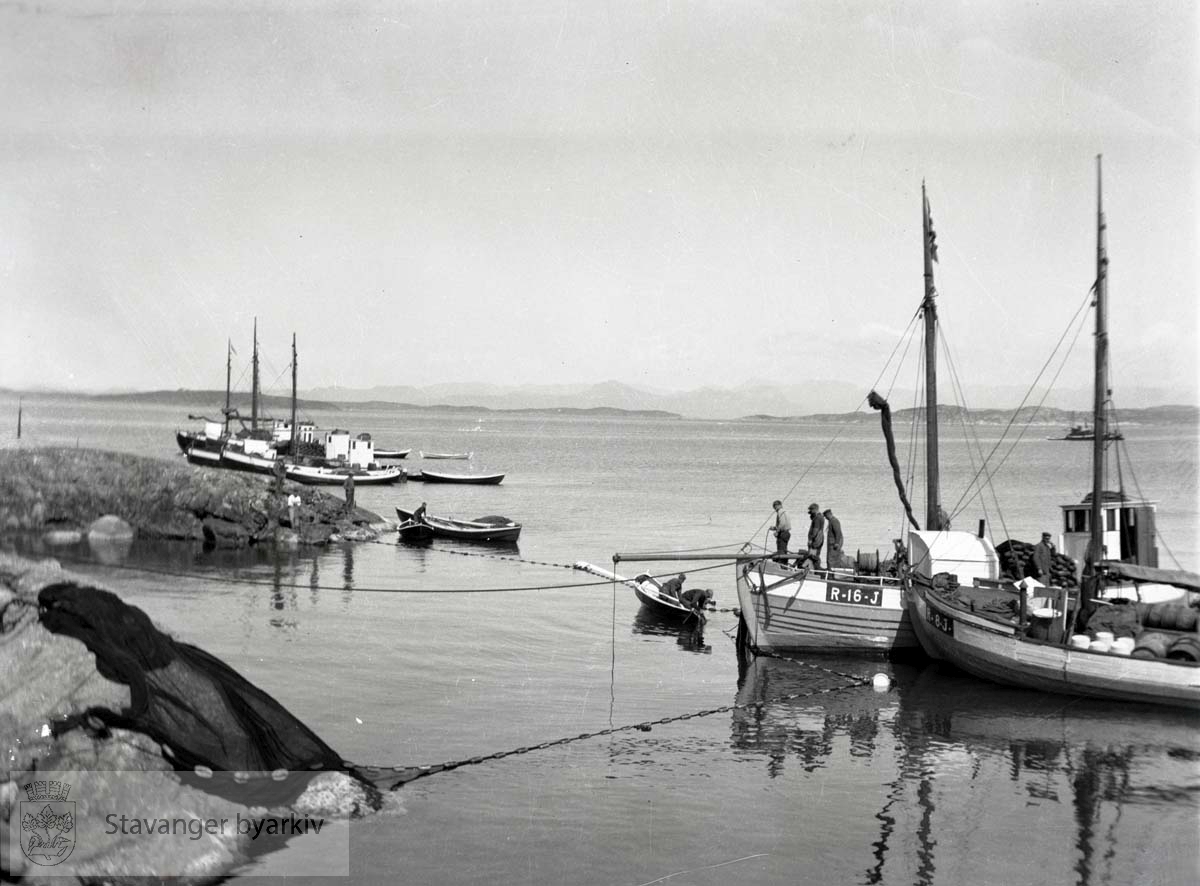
x=1016, y=562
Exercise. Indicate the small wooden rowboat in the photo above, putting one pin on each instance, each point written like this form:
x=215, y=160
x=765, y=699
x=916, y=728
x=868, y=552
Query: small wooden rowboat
x=491, y=529
x=391, y=454
x=315, y=475
x=650, y=591
x=477, y=479
x=415, y=533
x=458, y=455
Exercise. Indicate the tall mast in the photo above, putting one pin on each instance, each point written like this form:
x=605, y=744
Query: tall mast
x=1100, y=394
x=292, y=447
x=932, y=490
x=254, y=382
x=228, y=373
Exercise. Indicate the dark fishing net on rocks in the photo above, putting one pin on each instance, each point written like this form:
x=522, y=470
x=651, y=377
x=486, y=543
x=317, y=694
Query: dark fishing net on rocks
x=203, y=711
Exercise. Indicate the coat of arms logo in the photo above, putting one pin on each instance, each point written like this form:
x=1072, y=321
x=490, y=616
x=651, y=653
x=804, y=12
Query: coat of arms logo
x=47, y=822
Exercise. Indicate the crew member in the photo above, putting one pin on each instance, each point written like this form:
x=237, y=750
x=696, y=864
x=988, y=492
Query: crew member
x=1043, y=559
x=782, y=530
x=833, y=530
x=816, y=537
x=673, y=587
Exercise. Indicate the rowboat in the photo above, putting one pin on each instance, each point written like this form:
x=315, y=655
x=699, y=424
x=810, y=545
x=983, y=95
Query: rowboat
x=447, y=455
x=478, y=479
x=324, y=475
x=391, y=454
x=984, y=627
x=492, y=529
x=413, y=532
x=648, y=589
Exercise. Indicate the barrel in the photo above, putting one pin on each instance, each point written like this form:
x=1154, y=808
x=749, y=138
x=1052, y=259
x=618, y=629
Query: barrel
x=1186, y=648
x=1150, y=644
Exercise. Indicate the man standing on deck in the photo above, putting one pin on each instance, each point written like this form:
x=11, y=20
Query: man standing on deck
x=1043, y=559
x=782, y=530
x=816, y=537
x=834, y=531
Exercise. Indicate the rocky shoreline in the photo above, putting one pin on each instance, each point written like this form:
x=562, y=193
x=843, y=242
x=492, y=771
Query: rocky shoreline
x=63, y=492
x=48, y=678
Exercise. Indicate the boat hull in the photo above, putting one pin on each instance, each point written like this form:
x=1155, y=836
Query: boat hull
x=206, y=457
x=789, y=611
x=476, y=479
x=998, y=651
x=506, y=532
x=651, y=595
x=242, y=461
x=318, y=476
x=391, y=454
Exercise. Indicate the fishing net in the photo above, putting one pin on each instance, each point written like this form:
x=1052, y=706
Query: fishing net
x=203, y=711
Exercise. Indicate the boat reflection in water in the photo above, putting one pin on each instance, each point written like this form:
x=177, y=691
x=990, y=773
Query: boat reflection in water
x=689, y=637
x=976, y=782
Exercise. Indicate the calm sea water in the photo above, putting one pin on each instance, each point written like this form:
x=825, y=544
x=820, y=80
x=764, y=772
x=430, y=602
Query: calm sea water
x=941, y=779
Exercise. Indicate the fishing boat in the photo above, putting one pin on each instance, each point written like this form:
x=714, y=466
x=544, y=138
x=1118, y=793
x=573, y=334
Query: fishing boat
x=492, y=529
x=1083, y=432
x=442, y=477
x=391, y=454
x=963, y=615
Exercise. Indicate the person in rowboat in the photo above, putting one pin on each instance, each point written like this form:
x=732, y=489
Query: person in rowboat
x=418, y=516
x=697, y=599
x=674, y=587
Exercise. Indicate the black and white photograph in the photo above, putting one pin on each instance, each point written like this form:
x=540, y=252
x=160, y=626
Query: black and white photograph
x=615, y=444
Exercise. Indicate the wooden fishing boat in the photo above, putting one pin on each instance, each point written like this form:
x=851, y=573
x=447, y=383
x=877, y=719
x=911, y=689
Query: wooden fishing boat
x=649, y=590
x=491, y=529
x=413, y=532
x=788, y=610
x=477, y=479
x=391, y=454
x=330, y=475
x=446, y=455
x=964, y=616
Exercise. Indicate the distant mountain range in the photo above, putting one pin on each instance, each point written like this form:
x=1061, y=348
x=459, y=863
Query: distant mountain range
x=760, y=401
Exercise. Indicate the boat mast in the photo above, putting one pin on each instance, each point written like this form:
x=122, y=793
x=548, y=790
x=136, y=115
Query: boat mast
x=932, y=491
x=254, y=382
x=292, y=447
x=228, y=374
x=1100, y=394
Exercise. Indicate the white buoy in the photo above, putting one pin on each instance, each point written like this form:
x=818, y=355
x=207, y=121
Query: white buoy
x=881, y=682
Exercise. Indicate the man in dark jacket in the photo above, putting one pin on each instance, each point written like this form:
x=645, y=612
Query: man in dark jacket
x=834, y=533
x=697, y=600
x=673, y=587
x=816, y=537
x=1043, y=559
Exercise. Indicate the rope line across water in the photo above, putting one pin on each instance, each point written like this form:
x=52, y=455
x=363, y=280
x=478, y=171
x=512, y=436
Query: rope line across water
x=398, y=776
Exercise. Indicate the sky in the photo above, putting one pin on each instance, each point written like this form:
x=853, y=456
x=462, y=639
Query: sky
x=665, y=194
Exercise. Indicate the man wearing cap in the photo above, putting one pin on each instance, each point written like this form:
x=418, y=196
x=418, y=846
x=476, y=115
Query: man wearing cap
x=1043, y=559
x=697, y=600
x=816, y=537
x=782, y=530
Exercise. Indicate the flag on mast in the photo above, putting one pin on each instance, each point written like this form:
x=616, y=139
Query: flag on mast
x=930, y=234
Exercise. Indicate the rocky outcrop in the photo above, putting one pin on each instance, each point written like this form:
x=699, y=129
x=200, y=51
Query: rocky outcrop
x=62, y=490
x=47, y=678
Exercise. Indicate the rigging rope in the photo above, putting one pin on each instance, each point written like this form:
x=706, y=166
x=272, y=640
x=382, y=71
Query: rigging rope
x=964, y=500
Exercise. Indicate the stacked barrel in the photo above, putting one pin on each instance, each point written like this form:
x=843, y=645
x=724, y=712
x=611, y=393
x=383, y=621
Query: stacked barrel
x=1016, y=562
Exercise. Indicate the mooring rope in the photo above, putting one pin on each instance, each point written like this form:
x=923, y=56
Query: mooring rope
x=393, y=777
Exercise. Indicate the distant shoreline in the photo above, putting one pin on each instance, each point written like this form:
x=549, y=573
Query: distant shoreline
x=196, y=401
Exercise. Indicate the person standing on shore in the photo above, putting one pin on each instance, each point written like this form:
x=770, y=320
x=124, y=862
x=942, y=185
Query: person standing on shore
x=782, y=530
x=833, y=529
x=349, y=493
